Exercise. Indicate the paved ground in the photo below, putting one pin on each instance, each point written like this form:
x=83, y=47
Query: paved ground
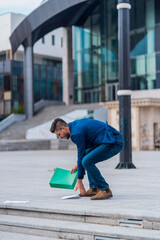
x=25, y=176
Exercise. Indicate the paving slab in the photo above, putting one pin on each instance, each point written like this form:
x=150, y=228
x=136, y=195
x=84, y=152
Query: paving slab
x=25, y=176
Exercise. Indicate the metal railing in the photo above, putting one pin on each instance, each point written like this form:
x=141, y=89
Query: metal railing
x=10, y=120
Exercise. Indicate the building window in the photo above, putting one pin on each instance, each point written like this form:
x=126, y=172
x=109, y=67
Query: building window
x=43, y=40
x=1, y=86
x=15, y=83
x=61, y=42
x=7, y=83
x=53, y=40
x=2, y=57
x=7, y=107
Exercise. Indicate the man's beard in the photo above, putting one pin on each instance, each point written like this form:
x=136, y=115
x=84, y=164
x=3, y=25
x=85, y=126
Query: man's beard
x=67, y=136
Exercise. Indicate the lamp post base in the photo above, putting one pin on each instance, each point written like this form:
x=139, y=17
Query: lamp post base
x=125, y=166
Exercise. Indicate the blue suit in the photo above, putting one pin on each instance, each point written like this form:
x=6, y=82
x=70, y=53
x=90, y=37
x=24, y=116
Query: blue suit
x=91, y=136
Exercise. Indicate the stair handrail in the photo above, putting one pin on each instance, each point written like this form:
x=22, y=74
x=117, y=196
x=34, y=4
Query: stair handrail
x=11, y=119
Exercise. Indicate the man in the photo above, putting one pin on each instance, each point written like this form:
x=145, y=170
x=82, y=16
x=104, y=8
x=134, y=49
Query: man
x=96, y=141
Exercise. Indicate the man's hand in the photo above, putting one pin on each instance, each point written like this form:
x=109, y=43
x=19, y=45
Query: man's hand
x=74, y=169
x=80, y=187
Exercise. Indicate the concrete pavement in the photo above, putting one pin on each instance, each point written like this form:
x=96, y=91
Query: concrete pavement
x=25, y=176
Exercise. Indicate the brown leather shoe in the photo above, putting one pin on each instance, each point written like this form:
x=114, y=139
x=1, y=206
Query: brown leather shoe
x=91, y=192
x=105, y=194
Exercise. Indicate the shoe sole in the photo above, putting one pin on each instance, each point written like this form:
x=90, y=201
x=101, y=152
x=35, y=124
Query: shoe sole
x=102, y=198
x=87, y=195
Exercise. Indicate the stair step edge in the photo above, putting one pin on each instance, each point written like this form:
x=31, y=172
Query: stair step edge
x=16, y=236
x=77, y=227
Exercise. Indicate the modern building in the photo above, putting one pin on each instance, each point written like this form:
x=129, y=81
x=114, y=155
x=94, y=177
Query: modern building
x=47, y=67
x=96, y=66
x=90, y=63
x=96, y=50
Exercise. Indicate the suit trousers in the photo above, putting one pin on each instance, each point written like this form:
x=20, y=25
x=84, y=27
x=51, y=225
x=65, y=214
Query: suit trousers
x=98, y=154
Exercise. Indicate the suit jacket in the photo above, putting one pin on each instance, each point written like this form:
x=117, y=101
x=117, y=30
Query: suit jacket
x=86, y=133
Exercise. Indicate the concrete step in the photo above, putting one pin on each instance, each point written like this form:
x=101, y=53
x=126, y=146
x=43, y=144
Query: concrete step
x=18, y=130
x=23, y=145
x=129, y=219
x=19, y=236
x=72, y=230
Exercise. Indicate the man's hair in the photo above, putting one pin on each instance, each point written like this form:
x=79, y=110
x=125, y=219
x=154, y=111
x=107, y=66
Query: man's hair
x=57, y=124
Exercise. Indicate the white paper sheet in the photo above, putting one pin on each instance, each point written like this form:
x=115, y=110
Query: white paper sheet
x=16, y=202
x=71, y=196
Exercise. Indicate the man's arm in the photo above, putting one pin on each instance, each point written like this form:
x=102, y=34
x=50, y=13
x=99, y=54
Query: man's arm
x=79, y=184
x=74, y=169
x=79, y=140
x=80, y=187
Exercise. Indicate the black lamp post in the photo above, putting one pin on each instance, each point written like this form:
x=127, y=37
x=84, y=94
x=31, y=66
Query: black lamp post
x=124, y=92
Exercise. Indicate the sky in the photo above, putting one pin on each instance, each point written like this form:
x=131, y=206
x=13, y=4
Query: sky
x=18, y=6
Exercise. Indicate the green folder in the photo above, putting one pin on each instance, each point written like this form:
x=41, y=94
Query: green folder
x=63, y=179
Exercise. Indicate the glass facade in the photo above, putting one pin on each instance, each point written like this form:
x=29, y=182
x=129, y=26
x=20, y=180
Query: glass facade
x=47, y=84
x=96, y=51
x=48, y=81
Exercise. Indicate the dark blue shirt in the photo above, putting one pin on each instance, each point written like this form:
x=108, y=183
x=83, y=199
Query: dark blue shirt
x=86, y=133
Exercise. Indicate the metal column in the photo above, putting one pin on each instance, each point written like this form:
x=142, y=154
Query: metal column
x=28, y=82
x=124, y=91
